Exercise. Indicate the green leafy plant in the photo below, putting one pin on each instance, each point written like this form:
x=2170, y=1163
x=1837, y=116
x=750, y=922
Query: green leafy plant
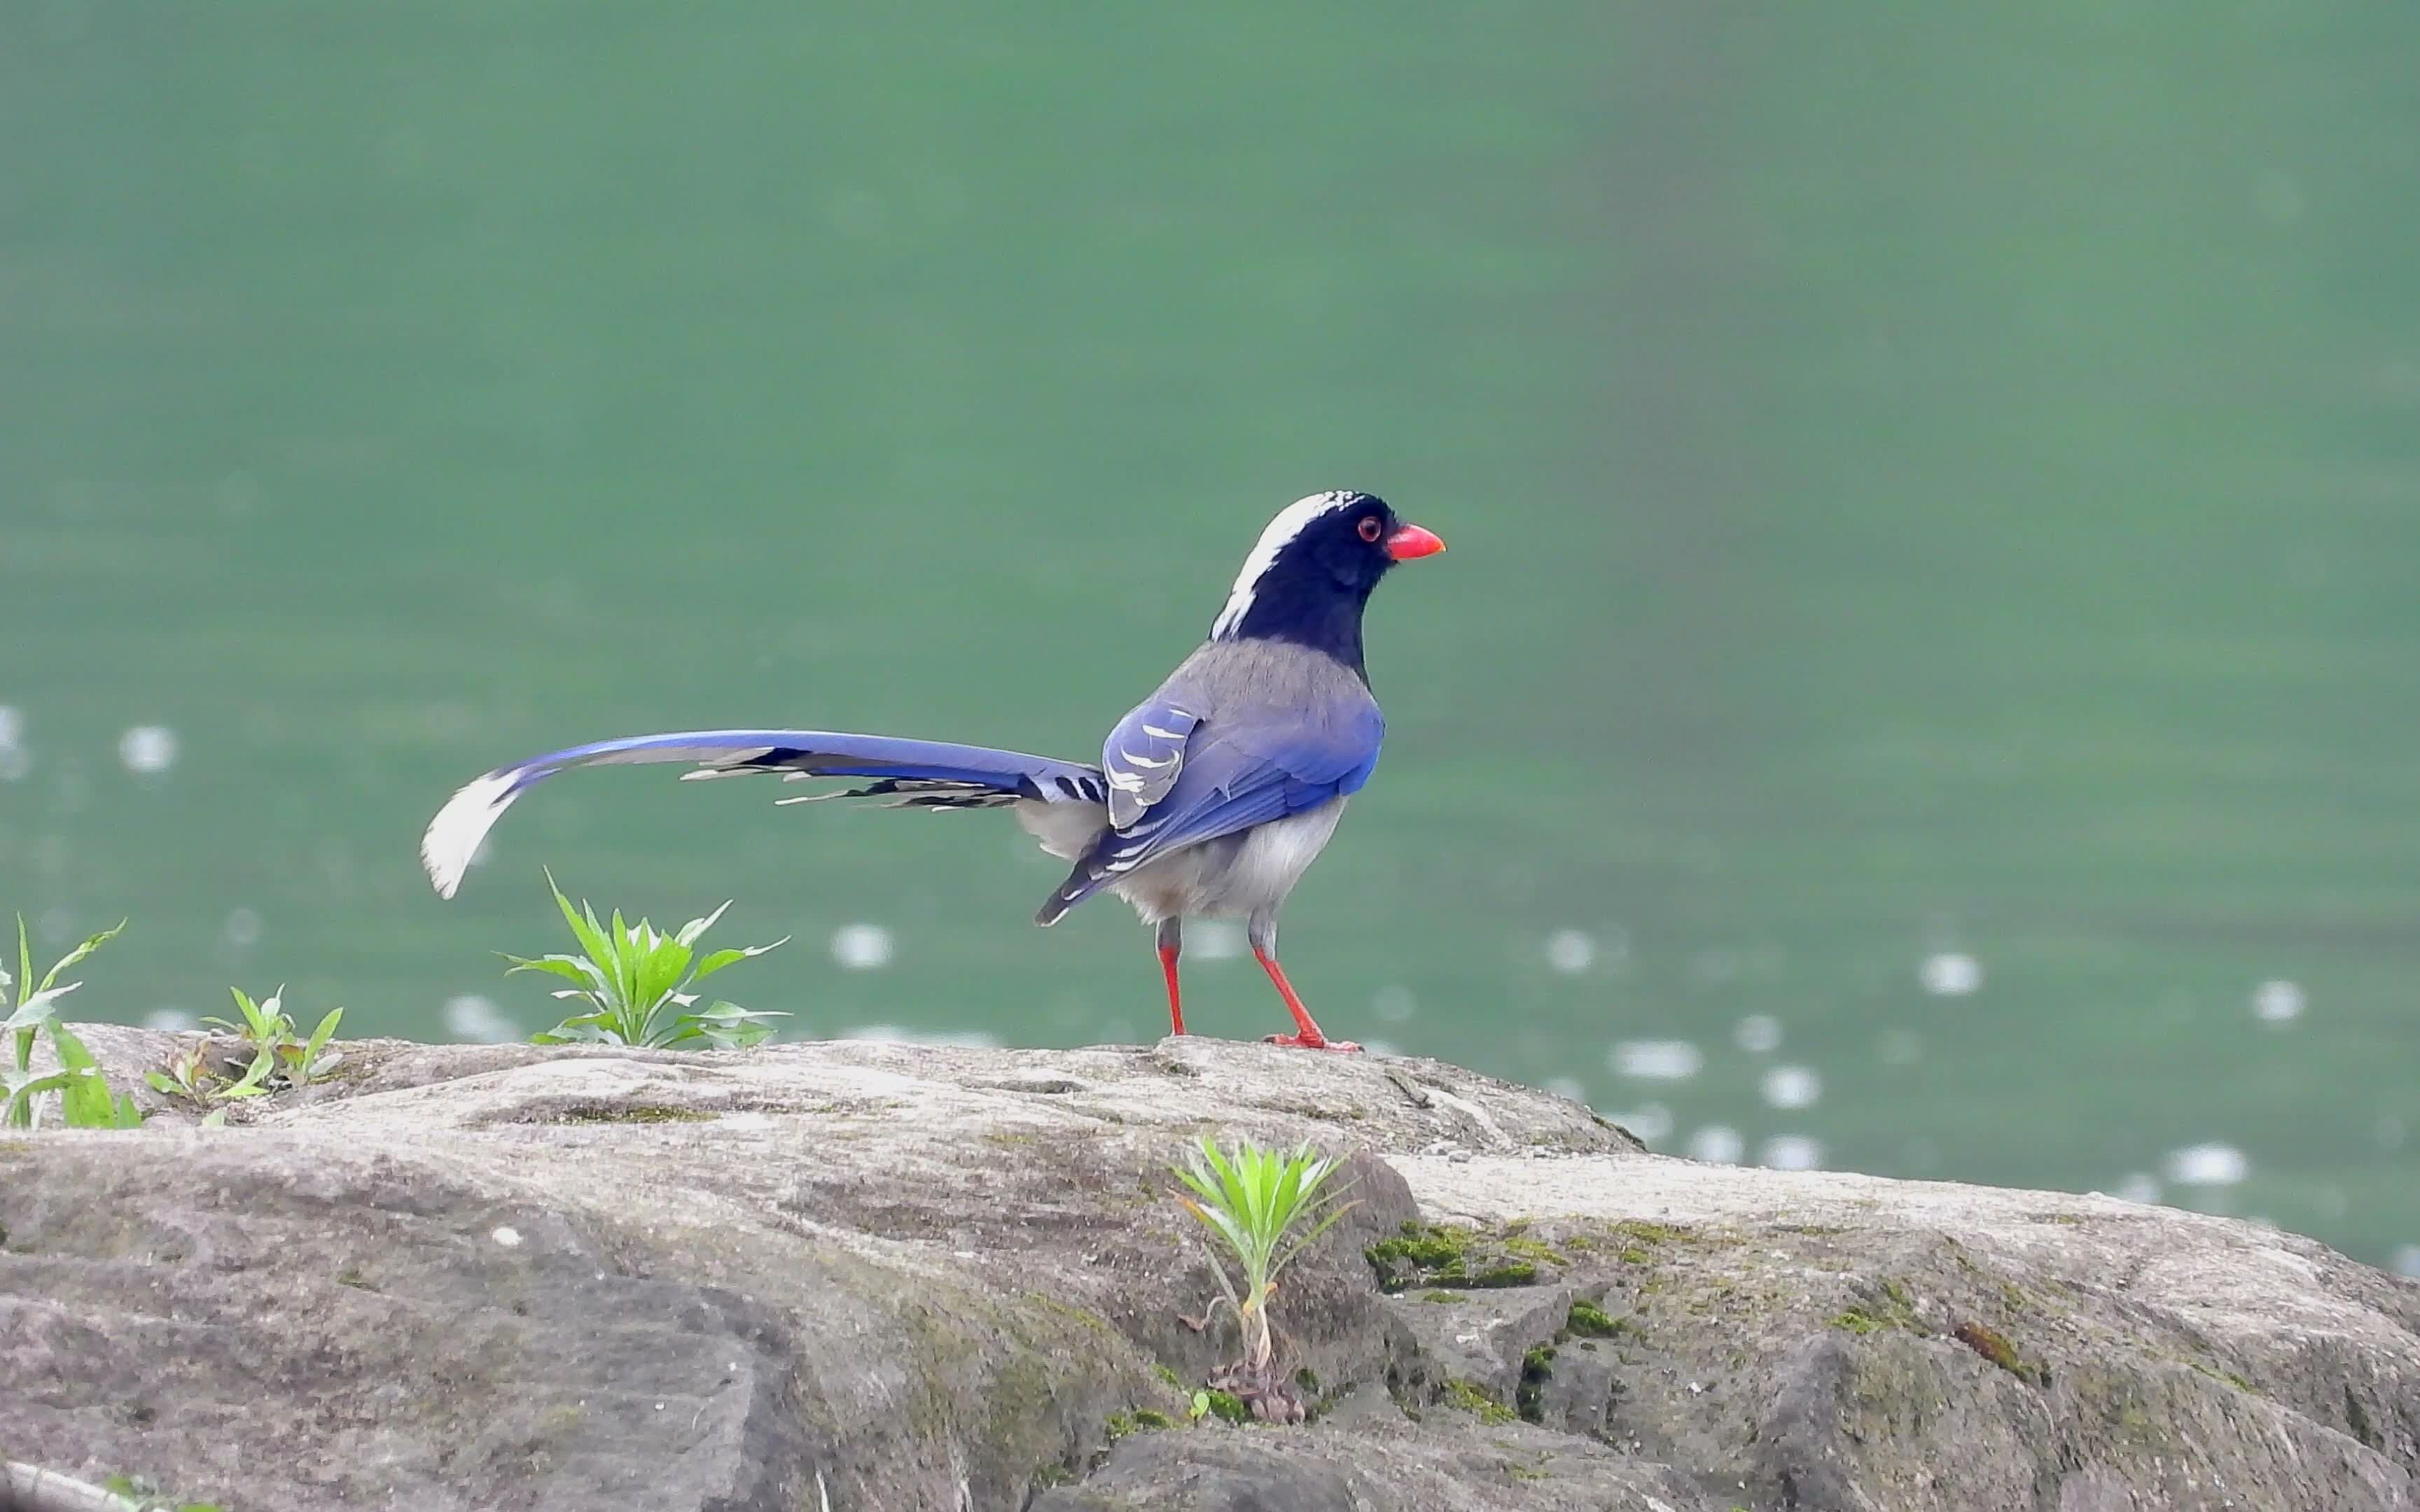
x=297, y=1061
x=189, y=1075
x=281, y=1056
x=84, y=1095
x=1260, y=1208
x=638, y=983
x=86, y=1100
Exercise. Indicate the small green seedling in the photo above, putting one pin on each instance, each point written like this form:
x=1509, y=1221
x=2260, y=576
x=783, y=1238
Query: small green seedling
x=85, y=1101
x=278, y=1049
x=281, y=1056
x=266, y=1027
x=1262, y=1208
x=637, y=983
x=189, y=1075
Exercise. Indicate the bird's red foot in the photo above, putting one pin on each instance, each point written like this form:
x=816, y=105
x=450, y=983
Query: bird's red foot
x=1303, y=1041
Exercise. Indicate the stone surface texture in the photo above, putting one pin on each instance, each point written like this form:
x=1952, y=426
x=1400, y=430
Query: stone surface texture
x=881, y=1278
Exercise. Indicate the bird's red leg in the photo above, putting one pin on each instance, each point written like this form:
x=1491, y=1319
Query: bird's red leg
x=1175, y=1003
x=1171, y=938
x=1307, y=1035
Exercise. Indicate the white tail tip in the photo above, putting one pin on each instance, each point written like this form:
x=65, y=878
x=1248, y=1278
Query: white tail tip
x=454, y=834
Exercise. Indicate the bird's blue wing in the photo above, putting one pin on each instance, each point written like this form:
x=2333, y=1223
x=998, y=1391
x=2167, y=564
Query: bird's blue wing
x=912, y=773
x=1145, y=755
x=1232, y=777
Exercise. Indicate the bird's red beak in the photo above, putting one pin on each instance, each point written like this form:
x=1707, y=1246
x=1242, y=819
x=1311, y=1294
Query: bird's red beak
x=1410, y=541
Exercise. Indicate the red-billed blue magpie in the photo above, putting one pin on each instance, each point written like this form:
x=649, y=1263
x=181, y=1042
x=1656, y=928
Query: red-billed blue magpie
x=1212, y=798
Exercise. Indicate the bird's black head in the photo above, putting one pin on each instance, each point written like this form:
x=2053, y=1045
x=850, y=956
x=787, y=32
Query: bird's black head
x=1313, y=570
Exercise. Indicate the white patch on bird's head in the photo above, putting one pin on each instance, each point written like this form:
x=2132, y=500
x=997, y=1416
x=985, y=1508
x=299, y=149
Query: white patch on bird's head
x=1275, y=539
x=454, y=834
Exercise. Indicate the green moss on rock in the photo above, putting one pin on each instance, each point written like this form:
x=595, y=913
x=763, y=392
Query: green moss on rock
x=1475, y=1400
x=1226, y=1405
x=1140, y=1420
x=1446, y=1256
x=1589, y=1321
x=1528, y=1399
x=632, y=1113
x=1651, y=1233
x=1994, y=1346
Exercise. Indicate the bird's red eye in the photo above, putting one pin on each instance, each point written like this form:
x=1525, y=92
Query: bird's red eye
x=1370, y=527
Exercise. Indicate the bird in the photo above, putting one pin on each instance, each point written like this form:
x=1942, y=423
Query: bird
x=1211, y=798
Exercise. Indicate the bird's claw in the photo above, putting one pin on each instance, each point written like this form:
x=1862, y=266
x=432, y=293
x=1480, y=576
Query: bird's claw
x=1303, y=1041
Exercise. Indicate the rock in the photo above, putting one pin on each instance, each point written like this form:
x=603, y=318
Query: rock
x=891, y=1277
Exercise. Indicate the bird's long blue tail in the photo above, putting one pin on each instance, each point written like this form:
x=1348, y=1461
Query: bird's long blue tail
x=932, y=774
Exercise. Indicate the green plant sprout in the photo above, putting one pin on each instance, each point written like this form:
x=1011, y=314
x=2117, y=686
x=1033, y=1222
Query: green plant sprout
x=1262, y=1208
x=296, y=1060
x=637, y=983
x=189, y=1075
x=84, y=1099
x=281, y=1057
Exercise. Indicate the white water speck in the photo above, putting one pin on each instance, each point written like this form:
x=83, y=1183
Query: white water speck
x=902, y=1034
x=2138, y=1186
x=147, y=748
x=1792, y=1087
x=862, y=947
x=2211, y=1165
x=1950, y=974
x=1650, y=1121
x=1214, y=939
x=507, y=1236
x=171, y=1018
x=2277, y=1002
x=478, y=1020
x=1571, y=952
x=1759, y=1034
x=12, y=724
x=15, y=762
x=1656, y=1061
x=1717, y=1143
x=244, y=928
x=1791, y=1152
x=1568, y=1087
x=2407, y=1259
x=1394, y=1004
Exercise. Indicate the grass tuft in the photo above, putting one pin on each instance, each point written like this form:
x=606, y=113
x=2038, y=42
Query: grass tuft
x=638, y=984
x=1262, y=1209
x=79, y=1090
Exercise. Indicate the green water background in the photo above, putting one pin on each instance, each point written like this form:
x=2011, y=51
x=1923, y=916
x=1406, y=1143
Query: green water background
x=1922, y=484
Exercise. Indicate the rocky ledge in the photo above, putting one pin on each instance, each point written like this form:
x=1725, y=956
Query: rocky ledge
x=879, y=1278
